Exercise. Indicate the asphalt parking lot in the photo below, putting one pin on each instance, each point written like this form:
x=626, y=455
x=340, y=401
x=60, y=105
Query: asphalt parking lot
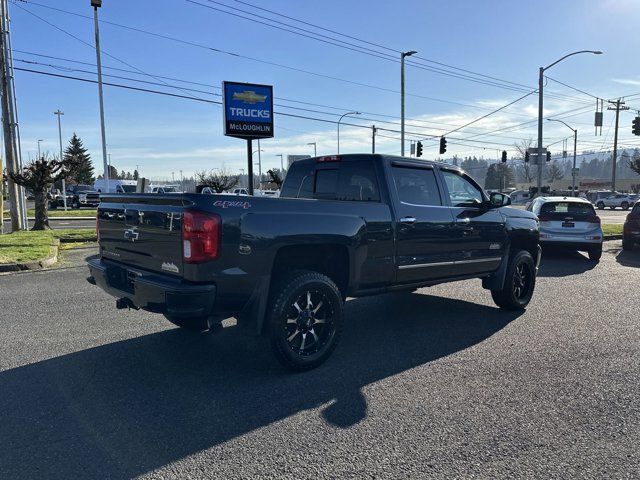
x=438, y=383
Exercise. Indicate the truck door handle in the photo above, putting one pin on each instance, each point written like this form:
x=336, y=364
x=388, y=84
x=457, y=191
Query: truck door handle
x=463, y=220
x=408, y=220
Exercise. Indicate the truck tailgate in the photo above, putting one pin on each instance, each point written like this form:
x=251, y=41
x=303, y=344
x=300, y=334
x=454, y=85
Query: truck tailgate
x=143, y=231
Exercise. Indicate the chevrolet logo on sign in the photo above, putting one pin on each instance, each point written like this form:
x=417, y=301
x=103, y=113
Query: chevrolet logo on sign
x=131, y=234
x=249, y=96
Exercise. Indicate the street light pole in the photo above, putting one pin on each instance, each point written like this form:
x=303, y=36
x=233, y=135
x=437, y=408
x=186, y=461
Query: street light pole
x=402, y=57
x=575, y=146
x=540, y=104
x=315, y=152
x=64, y=183
x=97, y=4
x=39, y=140
x=339, y=120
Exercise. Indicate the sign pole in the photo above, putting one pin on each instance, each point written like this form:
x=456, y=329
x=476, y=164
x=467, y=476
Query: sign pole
x=250, y=166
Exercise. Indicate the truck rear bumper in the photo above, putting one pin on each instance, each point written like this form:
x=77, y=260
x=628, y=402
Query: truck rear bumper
x=153, y=292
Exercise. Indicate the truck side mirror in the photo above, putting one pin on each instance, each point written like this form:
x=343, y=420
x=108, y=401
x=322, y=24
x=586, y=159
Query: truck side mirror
x=498, y=200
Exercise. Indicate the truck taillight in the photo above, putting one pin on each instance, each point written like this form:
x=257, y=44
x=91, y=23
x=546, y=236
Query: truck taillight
x=200, y=236
x=98, y=226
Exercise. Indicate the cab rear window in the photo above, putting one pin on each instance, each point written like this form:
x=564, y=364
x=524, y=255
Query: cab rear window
x=561, y=210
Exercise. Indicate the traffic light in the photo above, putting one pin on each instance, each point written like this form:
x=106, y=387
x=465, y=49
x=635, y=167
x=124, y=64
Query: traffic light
x=635, y=126
x=504, y=156
x=548, y=156
x=526, y=157
x=443, y=145
x=419, y=149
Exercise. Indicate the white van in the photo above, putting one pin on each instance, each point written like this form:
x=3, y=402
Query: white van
x=116, y=186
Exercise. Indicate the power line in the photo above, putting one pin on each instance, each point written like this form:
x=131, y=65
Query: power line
x=572, y=88
x=221, y=51
x=147, y=90
x=350, y=46
x=341, y=109
x=91, y=46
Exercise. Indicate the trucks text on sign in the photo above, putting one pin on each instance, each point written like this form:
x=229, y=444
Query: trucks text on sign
x=248, y=110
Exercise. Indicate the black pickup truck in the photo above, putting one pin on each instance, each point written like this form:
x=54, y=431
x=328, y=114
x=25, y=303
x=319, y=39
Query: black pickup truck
x=344, y=226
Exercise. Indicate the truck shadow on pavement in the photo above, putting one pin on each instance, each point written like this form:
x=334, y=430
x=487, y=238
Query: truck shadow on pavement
x=563, y=263
x=627, y=258
x=126, y=408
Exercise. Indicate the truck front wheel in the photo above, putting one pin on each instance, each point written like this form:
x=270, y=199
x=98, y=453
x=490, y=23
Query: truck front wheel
x=305, y=319
x=519, y=283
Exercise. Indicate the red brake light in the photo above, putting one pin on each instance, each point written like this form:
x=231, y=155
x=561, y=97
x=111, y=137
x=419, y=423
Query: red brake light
x=593, y=219
x=544, y=218
x=98, y=226
x=200, y=236
x=329, y=158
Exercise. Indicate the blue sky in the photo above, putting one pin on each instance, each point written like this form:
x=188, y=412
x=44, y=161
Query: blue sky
x=505, y=39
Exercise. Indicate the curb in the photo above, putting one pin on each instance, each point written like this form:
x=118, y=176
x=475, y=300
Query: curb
x=37, y=265
x=58, y=218
x=612, y=237
x=83, y=240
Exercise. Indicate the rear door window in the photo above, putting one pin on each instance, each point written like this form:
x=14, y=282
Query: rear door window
x=416, y=186
x=562, y=210
x=358, y=182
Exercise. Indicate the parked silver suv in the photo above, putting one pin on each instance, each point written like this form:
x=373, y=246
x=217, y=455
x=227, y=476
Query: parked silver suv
x=621, y=200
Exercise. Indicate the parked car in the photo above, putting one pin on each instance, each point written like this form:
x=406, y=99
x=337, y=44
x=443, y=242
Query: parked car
x=594, y=195
x=570, y=223
x=631, y=228
x=115, y=186
x=240, y=191
x=78, y=196
x=344, y=226
x=621, y=200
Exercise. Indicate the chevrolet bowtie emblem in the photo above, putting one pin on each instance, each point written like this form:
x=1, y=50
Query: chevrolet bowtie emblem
x=131, y=234
x=249, y=96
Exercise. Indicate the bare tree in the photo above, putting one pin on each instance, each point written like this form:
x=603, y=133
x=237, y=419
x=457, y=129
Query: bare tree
x=522, y=146
x=634, y=163
x=38, y=176
x=218, y=179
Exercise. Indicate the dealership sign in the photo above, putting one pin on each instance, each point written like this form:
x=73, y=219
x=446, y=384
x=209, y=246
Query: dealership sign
x=248, y=110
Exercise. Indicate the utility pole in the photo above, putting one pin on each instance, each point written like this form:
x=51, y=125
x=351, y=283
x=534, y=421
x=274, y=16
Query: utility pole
x=619, y=105
x=373, y=139
x=64, y=183
x=9, y=125
x=97, y=4
x=402, y=57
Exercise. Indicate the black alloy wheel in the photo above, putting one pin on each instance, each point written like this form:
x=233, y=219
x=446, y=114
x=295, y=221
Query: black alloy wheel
x=519, y=282
x=305, y=320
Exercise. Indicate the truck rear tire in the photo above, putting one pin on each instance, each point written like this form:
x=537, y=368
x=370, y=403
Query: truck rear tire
x=304, y=319
x=595, y=254
x=519, y=283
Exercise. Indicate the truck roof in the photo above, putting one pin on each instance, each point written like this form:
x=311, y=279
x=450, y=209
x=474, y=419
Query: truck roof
x=382, y=157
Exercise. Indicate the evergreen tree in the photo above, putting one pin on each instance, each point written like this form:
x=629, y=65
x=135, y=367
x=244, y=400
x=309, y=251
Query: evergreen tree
x=135, y=174
x=555, y=172
x=499, y=176
x=82, y=171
